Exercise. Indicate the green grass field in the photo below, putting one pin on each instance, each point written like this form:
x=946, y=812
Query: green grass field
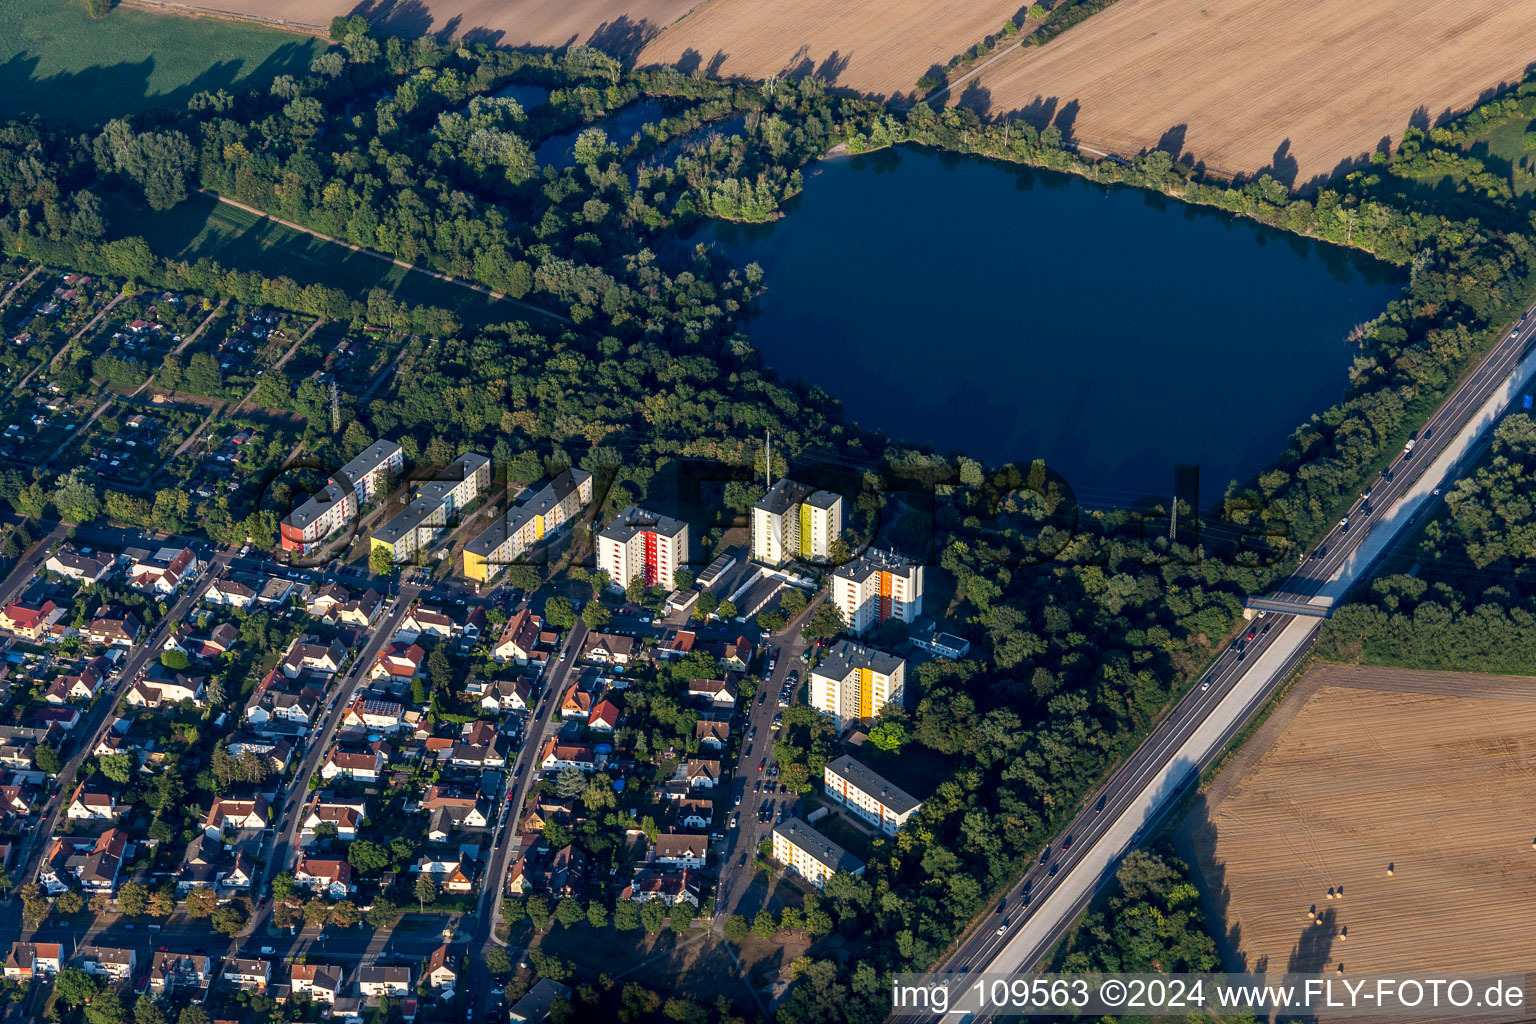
x=1503, y=150
x=57, y=62
x=203, y=226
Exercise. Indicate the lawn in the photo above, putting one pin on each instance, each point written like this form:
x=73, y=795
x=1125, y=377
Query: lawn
x=1503, y=151
x=203, y=226
x=57, y=62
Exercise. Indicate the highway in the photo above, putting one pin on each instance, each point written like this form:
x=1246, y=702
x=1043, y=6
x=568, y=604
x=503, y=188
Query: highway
x=1083, y=857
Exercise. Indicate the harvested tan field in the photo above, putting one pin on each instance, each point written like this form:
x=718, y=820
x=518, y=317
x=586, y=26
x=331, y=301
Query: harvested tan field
x=621, y=27
x=1432, y=774
x=874, y=46
x=1250, y=84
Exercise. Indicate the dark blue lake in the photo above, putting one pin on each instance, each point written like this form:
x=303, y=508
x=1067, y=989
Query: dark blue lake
x=1012, y=314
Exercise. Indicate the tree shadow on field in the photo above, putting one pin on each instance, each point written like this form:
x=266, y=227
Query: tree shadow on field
x=1283, y=167
x=1195, y=837
x=104, y=91
x=623, y=38
x=1037, y=113
x=1314, y=945
x=1066, y=120
x=976, y=98
x=398, y=17
x=829, y=69
x=1172, y=141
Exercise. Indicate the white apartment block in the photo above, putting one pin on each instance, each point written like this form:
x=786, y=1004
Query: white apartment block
x=437, y=503
x=524, y=525
x=854, y=682
x=793, y=521
x=339, y=500
x=858, y=788
x=876, y=587
x=643, y=544
x=810, y=854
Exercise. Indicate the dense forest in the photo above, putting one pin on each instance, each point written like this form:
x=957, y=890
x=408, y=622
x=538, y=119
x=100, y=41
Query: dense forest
x=1087, y=623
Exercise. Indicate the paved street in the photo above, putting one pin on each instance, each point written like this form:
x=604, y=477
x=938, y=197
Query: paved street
x=506, y=841
x=740, y=845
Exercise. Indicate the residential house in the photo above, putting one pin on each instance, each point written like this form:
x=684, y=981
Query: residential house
x=112, y=627
x=321, y=982
x=577, y=702
x=329, y=877
x=30, y=621
x=507, y=695
x=399, y=662
x=702, y=772
x=80, y=687
x=556, y=755
x=423, y=621
x=604, y=717
x=82, y=568
x=270, y=705
x=534, y=1007
x=681, y=849
x=321, y=659
x=64, y=718
x=694, y=813
x=162, y=686
x=277, y=749
x=365, y=715
x=440, y=970
x=91, y=805
x=177, y=972
x=164, y=572
x=714, y=735
x=560, y=873
x=667, y=886
x=717, y=692
x=345, y=816
x=230, y=593
x=393, y=982
x=519, y=638
x=608, y=649
x=246, y=973
x=355, y=764
x=29, y=960
x=111, y=962
x=237, y=815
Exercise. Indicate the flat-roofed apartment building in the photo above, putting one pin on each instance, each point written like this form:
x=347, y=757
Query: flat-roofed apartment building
x=854, y=682
x=878, y=586
x=868, y=794
x=810, y=854
x=795, y=521
x=524, y=525
x=644, y=544
x=436, y=504
x=339, y=500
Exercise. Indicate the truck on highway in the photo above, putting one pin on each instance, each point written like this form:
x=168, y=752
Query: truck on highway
x=1408, y=448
